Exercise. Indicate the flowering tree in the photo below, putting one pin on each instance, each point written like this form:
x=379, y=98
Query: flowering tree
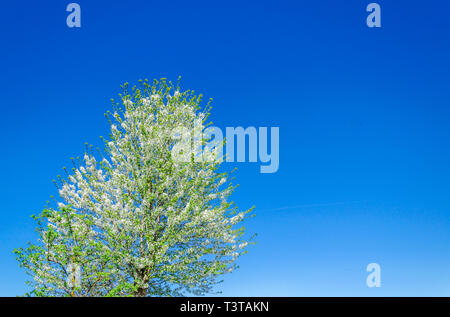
x=140, y=221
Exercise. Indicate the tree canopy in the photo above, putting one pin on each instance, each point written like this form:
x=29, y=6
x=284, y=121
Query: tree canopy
x=134, y=219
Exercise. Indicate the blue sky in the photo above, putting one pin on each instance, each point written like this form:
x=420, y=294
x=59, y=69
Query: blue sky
x=363, y=113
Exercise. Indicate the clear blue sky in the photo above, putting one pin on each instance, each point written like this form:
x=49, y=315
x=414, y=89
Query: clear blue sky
x=364, y=117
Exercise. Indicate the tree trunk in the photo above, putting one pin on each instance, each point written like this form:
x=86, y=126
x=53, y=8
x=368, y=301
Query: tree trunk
x=141, y=292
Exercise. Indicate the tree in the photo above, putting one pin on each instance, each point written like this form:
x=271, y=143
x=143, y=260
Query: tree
x=140, y=221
